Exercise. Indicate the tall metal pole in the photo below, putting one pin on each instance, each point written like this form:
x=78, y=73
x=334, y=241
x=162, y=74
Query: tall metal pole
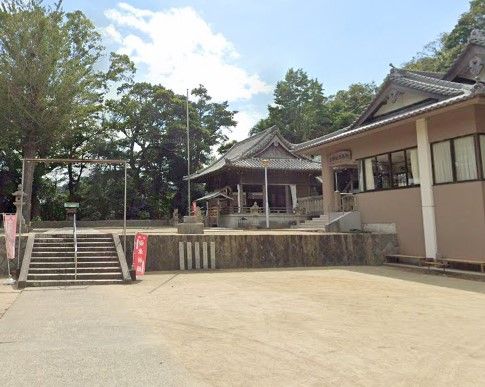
x=124, y=213
x=266, y=210
x=21, y=213
x=188, y=156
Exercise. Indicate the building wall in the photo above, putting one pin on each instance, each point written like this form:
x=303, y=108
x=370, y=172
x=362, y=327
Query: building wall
x=459, y=207
x=460, y=220
x=401, y=207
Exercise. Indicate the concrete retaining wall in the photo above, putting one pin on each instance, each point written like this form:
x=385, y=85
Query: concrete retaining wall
x=101, y=223
x=267, y=251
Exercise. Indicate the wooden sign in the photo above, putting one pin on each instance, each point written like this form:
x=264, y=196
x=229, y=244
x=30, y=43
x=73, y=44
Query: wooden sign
x=340, y=157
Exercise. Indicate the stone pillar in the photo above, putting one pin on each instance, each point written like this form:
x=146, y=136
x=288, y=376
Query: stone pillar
x=294, y=198
x=264, y=197
x=426, y=188
x=239, y=198
x=19, y=198
x=327, y=186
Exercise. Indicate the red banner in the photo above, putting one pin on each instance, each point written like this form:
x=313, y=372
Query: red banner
x=140, y=253
x=10, y=227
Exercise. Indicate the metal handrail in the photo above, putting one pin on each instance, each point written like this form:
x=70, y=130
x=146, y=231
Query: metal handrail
x=74, y=232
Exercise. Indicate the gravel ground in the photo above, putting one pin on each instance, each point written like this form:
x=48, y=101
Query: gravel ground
x=322, y=326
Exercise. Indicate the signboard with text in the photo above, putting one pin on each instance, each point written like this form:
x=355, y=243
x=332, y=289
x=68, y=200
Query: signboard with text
x=140, y=253
x=340, y=157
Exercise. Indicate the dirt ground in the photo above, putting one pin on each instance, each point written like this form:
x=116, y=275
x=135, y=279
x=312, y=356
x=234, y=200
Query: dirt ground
x=331, y=326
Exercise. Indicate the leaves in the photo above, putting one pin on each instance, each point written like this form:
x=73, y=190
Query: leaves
x=302, y=112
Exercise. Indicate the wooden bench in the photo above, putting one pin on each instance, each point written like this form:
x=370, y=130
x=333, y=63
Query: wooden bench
x=396, y=258
x=439, y=264
x=421, y=261
x=481, y=264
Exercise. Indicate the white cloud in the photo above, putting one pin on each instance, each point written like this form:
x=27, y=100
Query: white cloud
x=180, y=50
x=246, y=120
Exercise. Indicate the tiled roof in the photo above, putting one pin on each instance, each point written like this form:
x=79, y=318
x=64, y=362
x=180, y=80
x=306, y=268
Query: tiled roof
x=350, y=131
x=444, y=93
x=279, y=164
x=242, y=156
x=426, y=83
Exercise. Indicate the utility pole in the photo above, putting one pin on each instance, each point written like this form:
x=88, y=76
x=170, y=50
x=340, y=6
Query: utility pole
x=266, y=204
x=188, y=158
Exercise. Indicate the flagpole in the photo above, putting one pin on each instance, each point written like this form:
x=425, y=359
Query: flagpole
x=188, y=155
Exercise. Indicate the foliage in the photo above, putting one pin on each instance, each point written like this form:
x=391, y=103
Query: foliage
x=302, y=112
x=49, y=86
x=298, y=109
x=440, y=54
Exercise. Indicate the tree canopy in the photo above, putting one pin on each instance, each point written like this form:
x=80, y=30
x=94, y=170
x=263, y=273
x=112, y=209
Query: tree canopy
x=439, y=54
x=302, y=112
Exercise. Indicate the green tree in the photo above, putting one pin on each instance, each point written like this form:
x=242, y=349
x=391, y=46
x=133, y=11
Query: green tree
x=49, y=84
x=299, y=108
x=346, y=105
x=148, y=123
x=440, y=54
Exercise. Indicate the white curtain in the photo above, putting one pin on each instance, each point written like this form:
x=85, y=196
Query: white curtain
x=361, y=176
x=443, y=172
x=465, y=161
x=413, y=157
x=369, y=175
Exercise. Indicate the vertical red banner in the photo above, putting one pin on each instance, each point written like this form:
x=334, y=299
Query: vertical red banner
x=10, y=227
x=140, y=253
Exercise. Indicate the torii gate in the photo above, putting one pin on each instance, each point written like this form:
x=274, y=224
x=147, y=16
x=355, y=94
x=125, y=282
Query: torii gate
x=72, y=161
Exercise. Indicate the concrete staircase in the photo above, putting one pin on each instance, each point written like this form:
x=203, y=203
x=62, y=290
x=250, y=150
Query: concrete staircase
x=319, y=222
x=52, y=260
x=334, y=222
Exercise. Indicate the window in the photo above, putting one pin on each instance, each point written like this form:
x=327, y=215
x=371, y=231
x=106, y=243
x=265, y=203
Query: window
x=455, y=160
x=399, y=174
x=389, y=170
x=443, y=172
x=465, y=161
x=382, y=172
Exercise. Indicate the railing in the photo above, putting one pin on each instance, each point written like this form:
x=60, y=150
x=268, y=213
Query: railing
x=345, y=202
x=311, y=205
x=257, y=210
x=74, y=232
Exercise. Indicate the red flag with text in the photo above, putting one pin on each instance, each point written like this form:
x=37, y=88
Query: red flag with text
x=10, y=227
x=140, y=253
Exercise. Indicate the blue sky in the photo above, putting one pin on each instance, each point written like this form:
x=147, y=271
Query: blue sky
x=240, y=49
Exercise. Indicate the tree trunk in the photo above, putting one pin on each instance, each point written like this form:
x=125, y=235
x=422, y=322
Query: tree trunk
x=29, y=152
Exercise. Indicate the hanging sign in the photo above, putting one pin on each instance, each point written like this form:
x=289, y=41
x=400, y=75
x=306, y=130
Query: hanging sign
x=340, y=157
x=10, y=227
x=140, y=253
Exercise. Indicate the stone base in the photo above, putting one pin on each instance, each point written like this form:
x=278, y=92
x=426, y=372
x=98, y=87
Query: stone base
x=190, y=228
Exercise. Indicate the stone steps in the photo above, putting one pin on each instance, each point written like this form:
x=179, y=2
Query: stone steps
x=68, y=276
x=79, y=282
x=71, y=270
x=69, y=264
x=52, y=261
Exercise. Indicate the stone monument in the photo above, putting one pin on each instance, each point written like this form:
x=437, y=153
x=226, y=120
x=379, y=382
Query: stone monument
x=175, y=216
x=191, y=225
